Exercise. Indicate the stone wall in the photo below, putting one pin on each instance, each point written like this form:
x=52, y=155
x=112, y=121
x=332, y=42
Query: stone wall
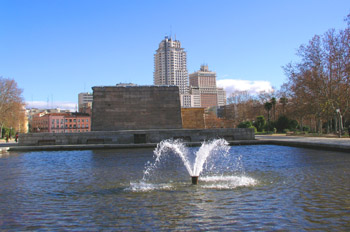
x=192, y=118
x=135, y=107
x=134, y=136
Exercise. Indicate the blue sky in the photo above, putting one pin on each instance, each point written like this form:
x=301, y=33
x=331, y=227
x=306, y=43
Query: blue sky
x=55, y=49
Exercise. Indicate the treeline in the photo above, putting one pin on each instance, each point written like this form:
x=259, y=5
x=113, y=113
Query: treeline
x=316, y=96
x=266, y=112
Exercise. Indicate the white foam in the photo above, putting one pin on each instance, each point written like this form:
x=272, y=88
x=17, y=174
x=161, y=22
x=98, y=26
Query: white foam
x=146, y=187
x=227, y=182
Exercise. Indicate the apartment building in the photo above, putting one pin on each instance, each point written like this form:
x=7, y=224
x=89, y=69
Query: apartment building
x=60, y=122
x=78, y=122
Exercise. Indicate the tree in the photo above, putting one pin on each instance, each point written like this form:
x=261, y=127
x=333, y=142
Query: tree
x=319, y=85
x=243, y=107
x=283, y=123
x=273, y=102
x=260, y=123
x=283, y=101
x=11, y=104
x=268, y=107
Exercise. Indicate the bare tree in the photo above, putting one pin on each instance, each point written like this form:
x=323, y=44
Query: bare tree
x=319, y=85
x=11, y=104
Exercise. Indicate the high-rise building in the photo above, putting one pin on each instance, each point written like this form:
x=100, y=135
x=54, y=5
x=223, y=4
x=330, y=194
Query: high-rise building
x=203, y=83
x=170, y=65
x=85, y=102
x=221, y=97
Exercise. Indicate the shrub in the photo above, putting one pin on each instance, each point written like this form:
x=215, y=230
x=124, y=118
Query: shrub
x=246, y=124
x=260, y=123
x=283, y=123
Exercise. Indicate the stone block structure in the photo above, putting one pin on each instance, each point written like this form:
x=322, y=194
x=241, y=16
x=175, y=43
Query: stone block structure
x=192, y=118
x=135, y=107
x=134, y=136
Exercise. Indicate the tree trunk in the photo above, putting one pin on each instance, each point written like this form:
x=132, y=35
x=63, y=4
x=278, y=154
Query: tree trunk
x=320, y=125
x=335, y=124
x=327, y=127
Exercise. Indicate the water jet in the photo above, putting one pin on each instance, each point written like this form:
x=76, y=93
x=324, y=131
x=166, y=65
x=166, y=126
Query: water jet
x=194, y=162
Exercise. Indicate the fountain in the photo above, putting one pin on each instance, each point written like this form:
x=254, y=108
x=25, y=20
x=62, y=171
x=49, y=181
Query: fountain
x=194, y=164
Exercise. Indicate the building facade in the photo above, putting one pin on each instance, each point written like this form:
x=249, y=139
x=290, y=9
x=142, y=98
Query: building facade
x=78, y=122
x=221, y=97
x=192, y=118
x=61, y=122
x=56, y=122
x=203, y=85
x=170, y=65
x=39, y=122
x=85, y=102
x=136, y=108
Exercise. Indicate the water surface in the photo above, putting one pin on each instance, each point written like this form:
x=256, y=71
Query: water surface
x=267, y=188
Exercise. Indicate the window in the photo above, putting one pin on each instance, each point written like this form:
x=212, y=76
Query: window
x=87, y=120
x=70, y=120
x=82, y=120
x=75, y=120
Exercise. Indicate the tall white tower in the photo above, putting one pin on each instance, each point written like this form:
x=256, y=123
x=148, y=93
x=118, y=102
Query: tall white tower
x=170, y=65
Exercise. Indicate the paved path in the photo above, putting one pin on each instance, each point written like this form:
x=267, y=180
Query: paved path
x=342, y=144
x=5, y=146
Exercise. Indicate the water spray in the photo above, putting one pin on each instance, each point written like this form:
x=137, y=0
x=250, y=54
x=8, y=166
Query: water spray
x=193, y=167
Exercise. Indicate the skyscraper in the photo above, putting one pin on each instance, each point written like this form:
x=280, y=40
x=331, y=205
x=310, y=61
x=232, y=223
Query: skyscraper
x=170, y=65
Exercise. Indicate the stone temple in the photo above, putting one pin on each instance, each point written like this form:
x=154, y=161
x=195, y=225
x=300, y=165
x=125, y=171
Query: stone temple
x=135, y=108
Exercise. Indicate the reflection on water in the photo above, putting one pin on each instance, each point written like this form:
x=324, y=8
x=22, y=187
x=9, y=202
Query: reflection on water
x=282, y=188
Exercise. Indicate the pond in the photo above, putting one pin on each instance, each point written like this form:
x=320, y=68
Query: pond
x=260, y=187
